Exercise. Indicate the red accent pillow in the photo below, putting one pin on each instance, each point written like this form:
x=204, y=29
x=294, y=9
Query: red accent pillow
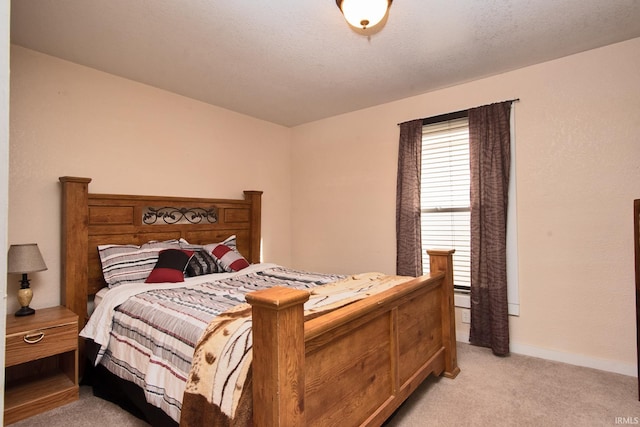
x=170, y=266
x=229, y=259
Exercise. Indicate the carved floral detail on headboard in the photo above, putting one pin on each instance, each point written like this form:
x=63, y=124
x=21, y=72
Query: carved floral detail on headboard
x=174, y=215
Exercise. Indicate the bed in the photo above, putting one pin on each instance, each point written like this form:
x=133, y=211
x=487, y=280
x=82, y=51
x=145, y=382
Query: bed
x=351, y=364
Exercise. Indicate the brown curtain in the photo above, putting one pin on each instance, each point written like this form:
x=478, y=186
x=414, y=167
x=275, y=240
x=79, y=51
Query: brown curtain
x=408, y=236
x=489, y=149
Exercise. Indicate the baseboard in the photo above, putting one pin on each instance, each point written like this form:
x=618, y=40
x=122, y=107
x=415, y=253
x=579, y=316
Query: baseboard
x=564, y=357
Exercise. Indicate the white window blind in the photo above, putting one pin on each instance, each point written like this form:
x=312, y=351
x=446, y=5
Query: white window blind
x=445, y=198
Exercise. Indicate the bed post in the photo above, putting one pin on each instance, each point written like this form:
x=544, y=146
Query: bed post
x=74, y=252
x=255, y=197
x=75, y=240
x=278, y=356
x=442, y=260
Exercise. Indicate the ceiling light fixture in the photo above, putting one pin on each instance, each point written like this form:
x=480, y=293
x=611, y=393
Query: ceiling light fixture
x=364, y=13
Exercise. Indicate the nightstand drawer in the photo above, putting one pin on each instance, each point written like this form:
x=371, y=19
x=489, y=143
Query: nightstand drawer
x=38, y=343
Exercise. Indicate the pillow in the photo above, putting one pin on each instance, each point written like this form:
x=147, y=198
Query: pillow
x=170, y=266
x=227, y=259
x=229, y=241
x=202, y=262
x=130, y=263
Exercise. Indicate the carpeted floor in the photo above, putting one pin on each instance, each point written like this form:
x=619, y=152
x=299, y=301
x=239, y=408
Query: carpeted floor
x=521, y=391
x=490, y=391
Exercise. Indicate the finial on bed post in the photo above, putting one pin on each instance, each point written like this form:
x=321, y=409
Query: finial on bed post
x=278, y=356
x=442, y=260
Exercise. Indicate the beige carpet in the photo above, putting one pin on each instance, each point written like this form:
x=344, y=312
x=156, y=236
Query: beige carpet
x=520, y=391
x=490, y=391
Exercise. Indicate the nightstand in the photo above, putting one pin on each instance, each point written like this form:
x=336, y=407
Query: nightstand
x=41, y=362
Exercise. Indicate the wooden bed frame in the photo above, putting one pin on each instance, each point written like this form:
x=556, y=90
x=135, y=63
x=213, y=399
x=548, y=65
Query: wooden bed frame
x=352, y=366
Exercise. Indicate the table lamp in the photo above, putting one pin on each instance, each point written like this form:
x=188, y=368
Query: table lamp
x=25, y=259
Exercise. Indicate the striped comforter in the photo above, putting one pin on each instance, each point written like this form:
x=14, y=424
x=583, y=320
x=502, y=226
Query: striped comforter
x=218, y=391
x=148, y=333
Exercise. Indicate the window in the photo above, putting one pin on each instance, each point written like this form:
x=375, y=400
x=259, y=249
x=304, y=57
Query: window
x=445, y=200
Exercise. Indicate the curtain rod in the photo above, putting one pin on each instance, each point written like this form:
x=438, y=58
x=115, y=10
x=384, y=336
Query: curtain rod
x=455, y=114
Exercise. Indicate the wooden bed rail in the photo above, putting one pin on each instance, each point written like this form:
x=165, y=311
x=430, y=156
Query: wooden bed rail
x=378, y=349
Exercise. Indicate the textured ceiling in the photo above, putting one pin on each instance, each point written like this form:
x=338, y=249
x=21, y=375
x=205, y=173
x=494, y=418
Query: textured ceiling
x=296, y=61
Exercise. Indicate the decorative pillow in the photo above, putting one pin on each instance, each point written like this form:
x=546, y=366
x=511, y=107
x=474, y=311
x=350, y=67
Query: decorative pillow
x=202, y=262
x=228, y=259
x=131, y=263
x=170, y=266
x=229, y=241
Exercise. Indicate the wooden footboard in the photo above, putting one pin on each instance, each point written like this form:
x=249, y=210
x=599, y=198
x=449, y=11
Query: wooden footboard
x=357, y=364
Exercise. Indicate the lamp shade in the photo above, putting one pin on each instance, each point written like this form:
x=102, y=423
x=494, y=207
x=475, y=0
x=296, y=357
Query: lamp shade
x=25, y=258
x=363, y=13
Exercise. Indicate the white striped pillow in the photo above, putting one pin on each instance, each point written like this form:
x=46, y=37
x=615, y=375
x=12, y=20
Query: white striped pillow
x=131, y=263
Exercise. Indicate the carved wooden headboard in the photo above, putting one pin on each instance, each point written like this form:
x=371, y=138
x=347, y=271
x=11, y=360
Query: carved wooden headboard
x=89, y=220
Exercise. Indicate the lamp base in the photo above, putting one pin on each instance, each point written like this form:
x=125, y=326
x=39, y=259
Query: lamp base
x=25, y=294
x=25, y=311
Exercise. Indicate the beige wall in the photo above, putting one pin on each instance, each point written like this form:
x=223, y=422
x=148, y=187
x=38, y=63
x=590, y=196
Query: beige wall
x=330, y=185
x=577, y=130
x=129, y=138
